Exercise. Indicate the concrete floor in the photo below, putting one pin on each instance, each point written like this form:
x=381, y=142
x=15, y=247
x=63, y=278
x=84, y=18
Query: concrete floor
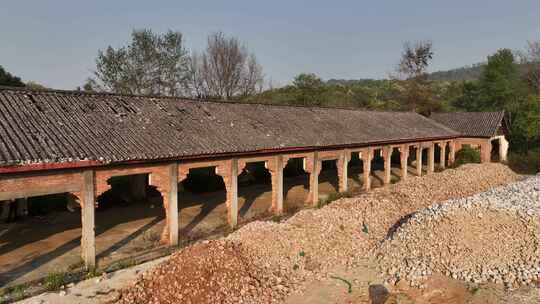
x=33, y=247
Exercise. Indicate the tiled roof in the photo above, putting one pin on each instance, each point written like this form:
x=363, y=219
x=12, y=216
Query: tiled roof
x=471, y=124
x=62, y=126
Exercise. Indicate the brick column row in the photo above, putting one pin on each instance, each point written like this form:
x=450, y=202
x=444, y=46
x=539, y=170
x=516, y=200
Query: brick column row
x=403, y=159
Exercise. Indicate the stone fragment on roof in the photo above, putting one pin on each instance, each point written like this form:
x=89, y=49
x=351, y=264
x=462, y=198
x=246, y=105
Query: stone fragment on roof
x=60, y=126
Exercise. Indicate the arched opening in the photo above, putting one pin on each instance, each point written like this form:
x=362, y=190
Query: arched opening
x=254, y=191
x=495, y=149
x=201, y=204
x=295, y=185
x=328, y=178
x=129, y=219
x=42, y=236
x=355, y=172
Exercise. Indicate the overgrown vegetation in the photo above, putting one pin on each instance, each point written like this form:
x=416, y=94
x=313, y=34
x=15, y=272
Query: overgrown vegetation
x=13, y=293
x=467, y=155
x=54, y=280
x=525, y=163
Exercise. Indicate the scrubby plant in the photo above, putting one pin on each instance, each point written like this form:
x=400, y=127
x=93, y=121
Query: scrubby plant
x=467, y=155
x=525, y=163
x=92, y=273
x=54, y=280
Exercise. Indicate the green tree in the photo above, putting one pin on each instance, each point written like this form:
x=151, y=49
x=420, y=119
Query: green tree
x=309, y=89
x=499, y=83
x=155, y=64
x=6, y=79
x=526, y=124
x=470, y=97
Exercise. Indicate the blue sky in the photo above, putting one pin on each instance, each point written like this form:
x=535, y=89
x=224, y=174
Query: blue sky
x=55, y=42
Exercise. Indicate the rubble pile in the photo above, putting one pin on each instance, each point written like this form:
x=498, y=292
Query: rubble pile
x=209, y=272
x=493, y=236
x=282, y=256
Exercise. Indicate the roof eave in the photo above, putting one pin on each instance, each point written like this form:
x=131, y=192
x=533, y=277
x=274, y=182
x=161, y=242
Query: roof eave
x=37, y=167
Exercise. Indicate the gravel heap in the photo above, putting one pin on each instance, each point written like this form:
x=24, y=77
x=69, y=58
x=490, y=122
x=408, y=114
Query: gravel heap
x=280, y=257
x=493, y=236
x=208, y=272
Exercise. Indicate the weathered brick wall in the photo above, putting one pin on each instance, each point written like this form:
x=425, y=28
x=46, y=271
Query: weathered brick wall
x=20, y=186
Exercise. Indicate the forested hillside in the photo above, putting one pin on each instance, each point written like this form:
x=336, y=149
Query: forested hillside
x=472, y=72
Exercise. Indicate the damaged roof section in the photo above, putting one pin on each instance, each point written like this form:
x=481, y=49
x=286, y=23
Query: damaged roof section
x=64, y=126
x=473, y=124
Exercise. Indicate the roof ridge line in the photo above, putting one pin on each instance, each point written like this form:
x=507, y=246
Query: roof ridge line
x=181, y=98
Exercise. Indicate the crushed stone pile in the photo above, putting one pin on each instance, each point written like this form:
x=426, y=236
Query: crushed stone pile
x=493, y=236
x=310, y=243
x=208, y=272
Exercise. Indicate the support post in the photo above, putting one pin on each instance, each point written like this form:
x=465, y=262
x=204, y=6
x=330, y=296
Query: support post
x=88, y=245
x=172, y=214
x=503, y=149
x=419, y=160
x=485, y=151
x=232, y=194
x=442, y=156
x=387, y=155
x=228, y=170
x=367, y=155
x=276, y=170
x=342, y=168
x=431, y=158
x=452, y=153
x=312, y=165
x=403, y=159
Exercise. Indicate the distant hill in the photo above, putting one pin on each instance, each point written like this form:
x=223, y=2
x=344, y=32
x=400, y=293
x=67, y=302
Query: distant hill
x=464, y=73
x=349, y=82
x=472, y=72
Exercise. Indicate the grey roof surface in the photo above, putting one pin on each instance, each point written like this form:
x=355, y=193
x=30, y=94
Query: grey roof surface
x=63, y=126
x=471, y=124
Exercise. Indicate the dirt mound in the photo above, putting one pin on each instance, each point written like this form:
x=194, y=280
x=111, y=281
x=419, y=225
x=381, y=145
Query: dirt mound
x=492, y=236
x=210, y=272
x=282, y=256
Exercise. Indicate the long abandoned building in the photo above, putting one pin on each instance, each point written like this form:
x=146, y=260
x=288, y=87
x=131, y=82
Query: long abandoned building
x=75, y=142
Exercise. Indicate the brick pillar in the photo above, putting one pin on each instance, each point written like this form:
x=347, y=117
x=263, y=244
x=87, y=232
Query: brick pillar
x=172, y=206
x=431, y=158
x=165, y=179
x=275, y=166
x=387, y=155
x=485, y=151
x=403, y=159
x=442, y=156
x=419, y=160
x=229, y=172
x=342, y=170
x=312, y=165
x=88, y=243
x=367, y=156
x=503, y=149
x=452, y=154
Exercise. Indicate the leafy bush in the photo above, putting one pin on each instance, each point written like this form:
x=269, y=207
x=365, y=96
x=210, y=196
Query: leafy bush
x=467, y=155
x=55, y=280
x=525, y=163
